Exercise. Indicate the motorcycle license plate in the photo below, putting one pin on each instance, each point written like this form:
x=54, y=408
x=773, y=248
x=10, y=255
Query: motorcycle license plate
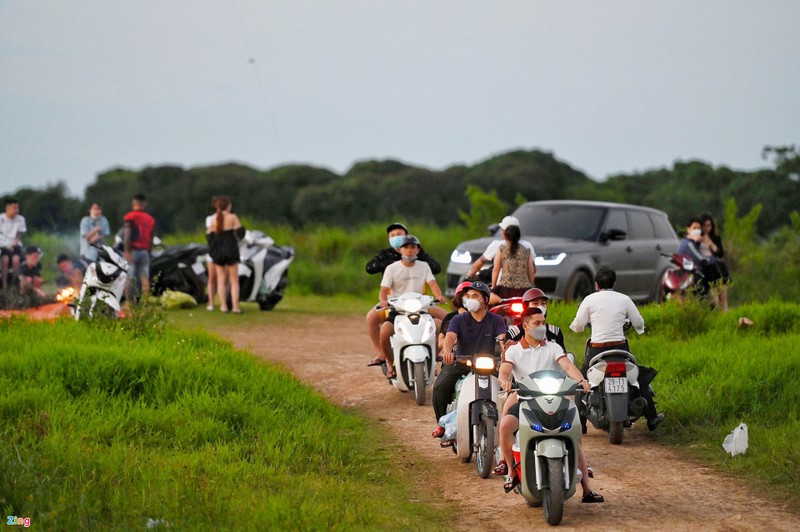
x=616, y=384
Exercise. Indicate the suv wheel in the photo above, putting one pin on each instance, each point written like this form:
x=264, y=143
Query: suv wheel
x=579, y=286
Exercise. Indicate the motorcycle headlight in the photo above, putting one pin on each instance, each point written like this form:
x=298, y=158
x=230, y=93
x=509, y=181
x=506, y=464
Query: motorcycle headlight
x=484, y=363
x=552, y=259
x=461, y=257
x=548, y=385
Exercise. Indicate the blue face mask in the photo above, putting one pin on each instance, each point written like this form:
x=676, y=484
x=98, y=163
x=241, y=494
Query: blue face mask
x=397, y=241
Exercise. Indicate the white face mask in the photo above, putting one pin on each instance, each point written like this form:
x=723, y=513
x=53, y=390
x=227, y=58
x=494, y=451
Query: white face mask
x=696, y=232
x=543, y=309
x=472, y=305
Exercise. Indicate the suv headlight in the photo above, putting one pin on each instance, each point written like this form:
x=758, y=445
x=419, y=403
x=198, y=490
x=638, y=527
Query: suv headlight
x=552, y=259
x=461, y=257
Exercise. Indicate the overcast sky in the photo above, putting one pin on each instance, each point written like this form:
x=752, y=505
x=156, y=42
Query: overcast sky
x=608, y=86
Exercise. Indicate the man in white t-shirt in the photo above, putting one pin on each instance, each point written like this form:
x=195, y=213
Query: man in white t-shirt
x=535, y=353
x=406, y=275
x=12, y=225
x=494, y=247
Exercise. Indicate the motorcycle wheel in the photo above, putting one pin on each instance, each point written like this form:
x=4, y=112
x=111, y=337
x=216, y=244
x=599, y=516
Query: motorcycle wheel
x=485, y=454
x=419, y=383
x=553, y=500
x=615, y=432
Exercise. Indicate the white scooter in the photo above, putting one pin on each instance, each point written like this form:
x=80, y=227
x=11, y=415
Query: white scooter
x=477, y=414
x=263, y=269
x=413, y=343
x=548, y=442
x=103, y=285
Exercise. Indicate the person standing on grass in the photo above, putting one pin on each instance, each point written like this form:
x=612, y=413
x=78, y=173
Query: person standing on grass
x=223, y=246
x=211, y=287
x=138, y=229
x=93, y=228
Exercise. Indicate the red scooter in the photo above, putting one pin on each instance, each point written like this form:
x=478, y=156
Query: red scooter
x=684, y=276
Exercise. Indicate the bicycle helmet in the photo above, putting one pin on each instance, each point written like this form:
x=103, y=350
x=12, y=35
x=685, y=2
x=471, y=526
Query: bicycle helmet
x=534, y=293
x=462, y=287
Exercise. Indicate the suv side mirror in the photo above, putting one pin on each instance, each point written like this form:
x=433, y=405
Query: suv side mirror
x=492, y=229
x=613, y=234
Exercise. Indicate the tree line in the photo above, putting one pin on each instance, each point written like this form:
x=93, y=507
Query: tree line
x=302, y=195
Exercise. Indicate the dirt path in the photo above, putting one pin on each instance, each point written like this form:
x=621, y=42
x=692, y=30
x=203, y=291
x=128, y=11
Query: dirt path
x=645, y=485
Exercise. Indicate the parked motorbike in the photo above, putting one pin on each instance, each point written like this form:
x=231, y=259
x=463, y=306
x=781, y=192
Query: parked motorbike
x=180, y=268
x=263, y=268
x=103, y=285
x=414, y=343
x=548, y=442
x=614, y=401
x=477, y=413
x=684, y=276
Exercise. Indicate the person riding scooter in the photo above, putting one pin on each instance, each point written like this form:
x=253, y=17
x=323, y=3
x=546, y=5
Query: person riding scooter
x=534, y=353
x=378, y=264
x=472, y=332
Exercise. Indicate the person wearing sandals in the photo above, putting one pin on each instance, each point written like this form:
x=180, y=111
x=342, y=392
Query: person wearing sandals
x=534, y=353
x=396, y=233
x=403, y=276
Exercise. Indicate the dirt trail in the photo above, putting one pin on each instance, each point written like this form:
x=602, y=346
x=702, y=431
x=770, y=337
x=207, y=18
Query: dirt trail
x=645, y=485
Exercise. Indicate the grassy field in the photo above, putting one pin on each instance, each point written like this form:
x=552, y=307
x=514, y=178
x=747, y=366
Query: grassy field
x=110, y=426
x=118, y=425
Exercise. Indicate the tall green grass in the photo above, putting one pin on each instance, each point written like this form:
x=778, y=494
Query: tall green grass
x=714, y=374
x=104, y=427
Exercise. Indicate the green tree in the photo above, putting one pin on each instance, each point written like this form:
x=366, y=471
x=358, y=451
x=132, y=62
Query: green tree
x=485, y=209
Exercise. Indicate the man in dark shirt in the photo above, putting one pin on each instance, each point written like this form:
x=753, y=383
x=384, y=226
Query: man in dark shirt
x=474, y=331
x=29, y=273
x=71, y=272
x=376, y=316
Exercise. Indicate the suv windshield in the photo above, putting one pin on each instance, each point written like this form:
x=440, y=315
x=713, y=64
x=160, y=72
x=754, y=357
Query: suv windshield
x=579, y=222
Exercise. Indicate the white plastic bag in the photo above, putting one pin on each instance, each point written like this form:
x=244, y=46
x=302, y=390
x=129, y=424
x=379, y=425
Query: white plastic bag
x=736, y=442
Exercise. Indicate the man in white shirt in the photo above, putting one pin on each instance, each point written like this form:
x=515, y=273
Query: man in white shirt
x=406, y=275
x=494, y=247
x=535, y=353
x=12, y=225
x=607, y=311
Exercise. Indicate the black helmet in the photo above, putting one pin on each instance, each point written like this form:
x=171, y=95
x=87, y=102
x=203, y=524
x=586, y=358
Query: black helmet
x=534, y=293
x=396, y=225
x=482, y=288
x=410, y=239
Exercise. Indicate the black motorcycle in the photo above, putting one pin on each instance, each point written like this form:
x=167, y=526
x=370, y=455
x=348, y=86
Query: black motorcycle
x=180, y=268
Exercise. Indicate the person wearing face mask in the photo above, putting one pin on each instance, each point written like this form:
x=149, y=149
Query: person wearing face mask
x=535, y=298
x=406, y=275
x=607, y=311
x=534, y=353
x=471, y=332
x=93, y=228
x=396, y=233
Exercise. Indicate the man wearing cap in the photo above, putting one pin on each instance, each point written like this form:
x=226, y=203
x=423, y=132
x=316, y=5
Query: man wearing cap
x=494, y=247
x=406, y=275
x=472, y=332
x=607, y=310
x=376, y=316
